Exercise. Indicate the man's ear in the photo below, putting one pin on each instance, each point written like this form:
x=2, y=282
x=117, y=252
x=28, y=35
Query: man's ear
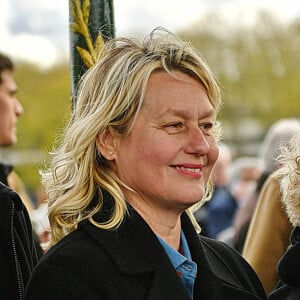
x=105, y=143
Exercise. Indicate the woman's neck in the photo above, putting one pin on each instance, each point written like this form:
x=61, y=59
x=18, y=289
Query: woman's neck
x=163, y=221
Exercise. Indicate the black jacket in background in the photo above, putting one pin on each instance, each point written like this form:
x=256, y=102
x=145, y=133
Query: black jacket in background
x=289, y=271
x=17, y=250
x=130, y=264
x=5, y=169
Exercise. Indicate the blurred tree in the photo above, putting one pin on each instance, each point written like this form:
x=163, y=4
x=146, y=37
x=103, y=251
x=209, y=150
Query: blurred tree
x=45, y=96
x=258, y=68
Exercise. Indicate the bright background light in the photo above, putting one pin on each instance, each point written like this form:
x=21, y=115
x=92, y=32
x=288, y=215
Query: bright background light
x=37, y=31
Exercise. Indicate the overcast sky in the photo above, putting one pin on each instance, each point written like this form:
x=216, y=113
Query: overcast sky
x=37, y=30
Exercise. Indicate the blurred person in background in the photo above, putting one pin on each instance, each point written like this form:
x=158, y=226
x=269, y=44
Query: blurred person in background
x=278, y=134
x=243, y=176
x=39, y=219
x=10, y=110
x=269, y=224
x=220, y=209
x=244, y=173
x=18, y=253
x=288, y=268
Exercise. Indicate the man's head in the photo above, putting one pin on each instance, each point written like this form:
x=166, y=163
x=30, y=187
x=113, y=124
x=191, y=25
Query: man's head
x=10, y=107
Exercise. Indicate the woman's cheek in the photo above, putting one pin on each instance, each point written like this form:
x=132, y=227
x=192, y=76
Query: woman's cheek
x=213, y=151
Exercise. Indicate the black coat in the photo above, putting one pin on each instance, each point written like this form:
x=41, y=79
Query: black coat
x=130, y=264
x=17, y=250
x=5, y=169
x=289, y=271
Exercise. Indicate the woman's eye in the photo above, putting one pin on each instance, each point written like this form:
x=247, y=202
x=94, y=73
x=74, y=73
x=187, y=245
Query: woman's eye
x=174, y=127
x=206, y=127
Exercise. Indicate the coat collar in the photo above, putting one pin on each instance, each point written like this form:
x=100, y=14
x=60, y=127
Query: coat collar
x=136, y=250
x=289, y=264
x=133, y=246
x=5, y=169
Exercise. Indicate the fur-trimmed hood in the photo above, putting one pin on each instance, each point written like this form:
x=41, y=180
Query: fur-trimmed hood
x=290, y=181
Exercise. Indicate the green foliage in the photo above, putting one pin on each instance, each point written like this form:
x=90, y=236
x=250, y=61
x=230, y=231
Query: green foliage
x=46, y=98
x=258, y=68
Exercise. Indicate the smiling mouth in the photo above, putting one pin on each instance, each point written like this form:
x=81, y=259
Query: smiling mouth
x=189, y=170
x=194, y=170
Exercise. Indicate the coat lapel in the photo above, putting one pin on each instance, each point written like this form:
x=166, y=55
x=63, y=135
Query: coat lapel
x=221, y=271
x=136, y=251
x=133, y=246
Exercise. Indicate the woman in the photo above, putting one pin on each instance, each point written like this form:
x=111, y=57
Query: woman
x=135, y=158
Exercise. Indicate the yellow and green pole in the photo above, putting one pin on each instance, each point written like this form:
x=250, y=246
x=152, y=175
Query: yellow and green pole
x=91, y=24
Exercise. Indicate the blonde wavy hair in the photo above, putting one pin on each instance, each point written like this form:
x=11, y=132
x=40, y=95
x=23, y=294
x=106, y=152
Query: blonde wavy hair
x=290, y=180
x=110, y=97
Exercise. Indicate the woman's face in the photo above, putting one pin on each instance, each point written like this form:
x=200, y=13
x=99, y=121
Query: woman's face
x=170, y=153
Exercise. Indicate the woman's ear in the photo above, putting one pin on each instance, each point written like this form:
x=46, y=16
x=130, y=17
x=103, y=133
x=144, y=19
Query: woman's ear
x=105, y=143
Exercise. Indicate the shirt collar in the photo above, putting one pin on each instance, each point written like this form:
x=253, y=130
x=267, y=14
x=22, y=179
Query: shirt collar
x=177, y=258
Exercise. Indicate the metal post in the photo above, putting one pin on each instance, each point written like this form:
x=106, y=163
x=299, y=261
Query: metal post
x=91, y=24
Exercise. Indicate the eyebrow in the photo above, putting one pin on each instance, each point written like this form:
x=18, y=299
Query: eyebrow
x=185, y=114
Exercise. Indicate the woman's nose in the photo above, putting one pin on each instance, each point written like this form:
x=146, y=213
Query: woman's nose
x=197, y=143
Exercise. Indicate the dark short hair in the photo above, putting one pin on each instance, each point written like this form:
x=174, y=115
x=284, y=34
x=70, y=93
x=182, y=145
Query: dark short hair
x=5, y=64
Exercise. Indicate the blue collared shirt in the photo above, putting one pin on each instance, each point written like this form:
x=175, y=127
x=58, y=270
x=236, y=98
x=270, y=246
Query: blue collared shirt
x=183, y=264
